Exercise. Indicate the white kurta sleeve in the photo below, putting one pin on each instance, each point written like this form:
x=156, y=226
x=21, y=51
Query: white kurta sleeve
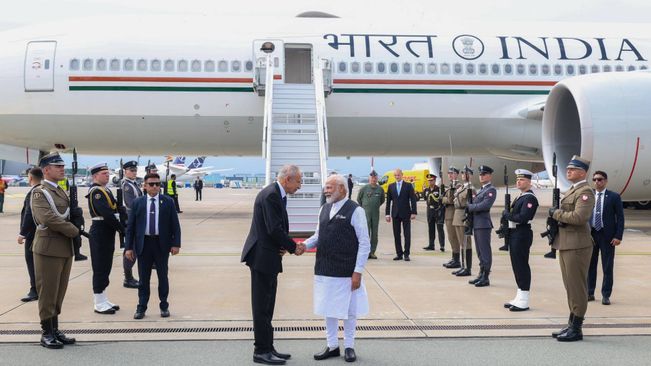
x=313, y=241
x=361, y=230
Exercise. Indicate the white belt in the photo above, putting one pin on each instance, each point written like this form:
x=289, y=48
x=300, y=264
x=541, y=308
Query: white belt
x=98, y=218
x=513, y=224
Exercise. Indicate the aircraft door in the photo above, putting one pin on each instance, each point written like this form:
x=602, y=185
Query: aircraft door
x=298, y=63
x=275, y=47
x=39, y=66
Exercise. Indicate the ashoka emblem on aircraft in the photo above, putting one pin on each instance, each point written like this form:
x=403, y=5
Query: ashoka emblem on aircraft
x=468, y=47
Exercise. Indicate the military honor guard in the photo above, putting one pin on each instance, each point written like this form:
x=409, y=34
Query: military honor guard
x=465, y=241
x=343, y=246
x=519, y=215
x=106, y=222
x=53, y=248
x=131, y=191
x=370, y=198
x=448, y=203
x=574, y=245
x=435, y=213
x=483, y=225
x=27, y=232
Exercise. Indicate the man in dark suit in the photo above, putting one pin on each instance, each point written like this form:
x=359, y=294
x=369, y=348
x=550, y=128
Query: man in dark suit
x=607, y=225
x=153, y=232
x=198, y=187
x=267, y=242
x=401, y=208
x=27, y=231
x=351, y=184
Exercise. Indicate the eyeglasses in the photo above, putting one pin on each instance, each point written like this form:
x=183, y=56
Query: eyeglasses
x=153, y=184
x=597, y=179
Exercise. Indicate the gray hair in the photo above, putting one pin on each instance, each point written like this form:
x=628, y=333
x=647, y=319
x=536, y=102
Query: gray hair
x=287, y=171
x=341, y=180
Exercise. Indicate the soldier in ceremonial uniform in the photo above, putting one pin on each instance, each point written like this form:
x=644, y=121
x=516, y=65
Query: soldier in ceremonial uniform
x=482, y=225
x=520, y=214
x=130, y=191
x=106, y=222
x=574, y=244
x=448, y=203
x=53, y=248
x=435, y=213
x=370, y=197
x=465, y=241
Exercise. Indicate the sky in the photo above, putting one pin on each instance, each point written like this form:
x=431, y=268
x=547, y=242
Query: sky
x=20, y=13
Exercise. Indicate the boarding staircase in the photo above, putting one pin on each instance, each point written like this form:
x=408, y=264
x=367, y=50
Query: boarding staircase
x=295, y=132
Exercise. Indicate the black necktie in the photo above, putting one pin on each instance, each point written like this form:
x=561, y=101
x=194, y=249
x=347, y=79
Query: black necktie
x=285, y=201
x=152, y=217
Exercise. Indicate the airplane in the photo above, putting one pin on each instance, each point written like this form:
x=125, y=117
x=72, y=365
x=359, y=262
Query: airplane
x=507, y=92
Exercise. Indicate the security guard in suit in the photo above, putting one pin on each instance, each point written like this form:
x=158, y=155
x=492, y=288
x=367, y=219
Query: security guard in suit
x=53, y=248
x=448, y=202
x=435, y=213
x=519, y=215
x=106, y=222
x=465, y=241
x=574, y=244
x=371, y=197
x=482, y=224
x=130, y=191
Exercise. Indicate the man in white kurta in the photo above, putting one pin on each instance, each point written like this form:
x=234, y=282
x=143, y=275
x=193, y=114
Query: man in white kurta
x=343, y=246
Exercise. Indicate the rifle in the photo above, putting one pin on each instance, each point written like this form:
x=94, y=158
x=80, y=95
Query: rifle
x=503, y=231
x=552, y=225
x=74, y=201
x=441, y=210
x=468, y=217
x=120, y=203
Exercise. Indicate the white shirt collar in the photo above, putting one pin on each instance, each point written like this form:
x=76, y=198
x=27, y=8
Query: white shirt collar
x=53, y=184
x=597, y=192
x=487, y=184
x=282, y=190
x=150, y=197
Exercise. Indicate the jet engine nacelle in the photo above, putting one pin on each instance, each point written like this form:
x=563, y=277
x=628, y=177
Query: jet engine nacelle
x=605, y=118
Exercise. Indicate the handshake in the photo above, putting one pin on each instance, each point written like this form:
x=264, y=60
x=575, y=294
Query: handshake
x=300, y=249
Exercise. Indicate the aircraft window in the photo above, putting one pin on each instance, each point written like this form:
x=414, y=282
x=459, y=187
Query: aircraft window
x=394, y=68
x=101, y=64
x=495, y=69
x=558, y=69
x=209, y=66
x=470, y=69
x=182, y=66
x=545, y=69
x=644, y=67
x=236, y=66
x=381, y=67
x=74, y=64
x=406, y=68
x=222, y=66
x=483, y=69
x=196, y=66
x=608, y=68
x=457, y=68
x=343, y=67
x=533, y=69
x=368, y=67
x=569, y=69
x=420, y=68
x=619, y=68
x=155, y=65
x=431, y=68
x=508, y=69
x=594, y=69
x=128, y=65
x=583, y=69
x=142, y=65
x=115, y=65
x=354, y=67
x=445, y=69
x=88, y=64
x=47, y=64
x=169, y=65
x=248, y=66
x=519, y=69
x=631, y=68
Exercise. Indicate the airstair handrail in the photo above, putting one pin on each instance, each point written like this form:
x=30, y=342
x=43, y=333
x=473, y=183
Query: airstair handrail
x=268, y=117
x=321, y=120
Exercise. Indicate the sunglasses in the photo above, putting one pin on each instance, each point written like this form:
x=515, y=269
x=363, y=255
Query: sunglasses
x=597, y=179
x=153, y=184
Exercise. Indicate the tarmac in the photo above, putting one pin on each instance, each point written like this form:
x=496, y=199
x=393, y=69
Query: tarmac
x=416, y=307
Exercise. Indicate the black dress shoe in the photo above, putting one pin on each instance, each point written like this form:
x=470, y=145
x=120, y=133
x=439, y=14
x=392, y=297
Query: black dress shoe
x=442, y=249
x=407, y=258
x=131, y=283
x=605, y=301
x=165, y=313
x=504, y=248
x=80, y=257
x=453, y=264
x=463, y=273
x=397, y=258
x=590, y=297
x=267, y=359
x=284, y=356
x=327, y=353
x=551, y=254
x=31, y=296
x=429, y=248
x=139, y=315
x=372, y=256
x=349, y=355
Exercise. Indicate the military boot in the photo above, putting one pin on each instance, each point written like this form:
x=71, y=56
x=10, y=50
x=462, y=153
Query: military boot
x=484, y=281
x=129, y=281
x=562, y=331
x=574, y=331
x=479, y=277
x=468, y=270
x=454, y=262
x=59, y=334
x=48, y=339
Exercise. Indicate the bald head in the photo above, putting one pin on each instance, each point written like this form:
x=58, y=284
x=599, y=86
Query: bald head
x=398, y=174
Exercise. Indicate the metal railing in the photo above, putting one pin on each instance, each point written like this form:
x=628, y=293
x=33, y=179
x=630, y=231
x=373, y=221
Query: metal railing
x=321, y=119
x=268, y=117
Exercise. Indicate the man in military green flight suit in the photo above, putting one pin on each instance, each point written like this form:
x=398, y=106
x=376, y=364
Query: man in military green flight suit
x=371, y=197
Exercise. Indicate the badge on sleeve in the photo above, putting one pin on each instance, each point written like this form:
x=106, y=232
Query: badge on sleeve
x=529, y=205
x=37, y=195
x=584, y=197
x=98, y=196
x=490, y=194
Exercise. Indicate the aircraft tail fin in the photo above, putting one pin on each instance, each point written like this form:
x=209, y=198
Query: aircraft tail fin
x=179, y=160
x=197, y=163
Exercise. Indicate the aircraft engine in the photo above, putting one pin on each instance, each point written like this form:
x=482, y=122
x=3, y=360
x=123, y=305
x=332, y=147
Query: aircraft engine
x=605, y=118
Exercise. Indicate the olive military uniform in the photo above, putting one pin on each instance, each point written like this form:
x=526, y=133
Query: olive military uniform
x=448, y=202
x=465, y=241
x=371, y=198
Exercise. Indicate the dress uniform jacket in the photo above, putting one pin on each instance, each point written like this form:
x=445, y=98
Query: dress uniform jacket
x=575, y=212
x=448, y=200
x=460, y=203
x=54, y=235
x=481, y=205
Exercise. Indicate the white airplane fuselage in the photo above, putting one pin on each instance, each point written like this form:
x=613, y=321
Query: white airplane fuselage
x=415, y=111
